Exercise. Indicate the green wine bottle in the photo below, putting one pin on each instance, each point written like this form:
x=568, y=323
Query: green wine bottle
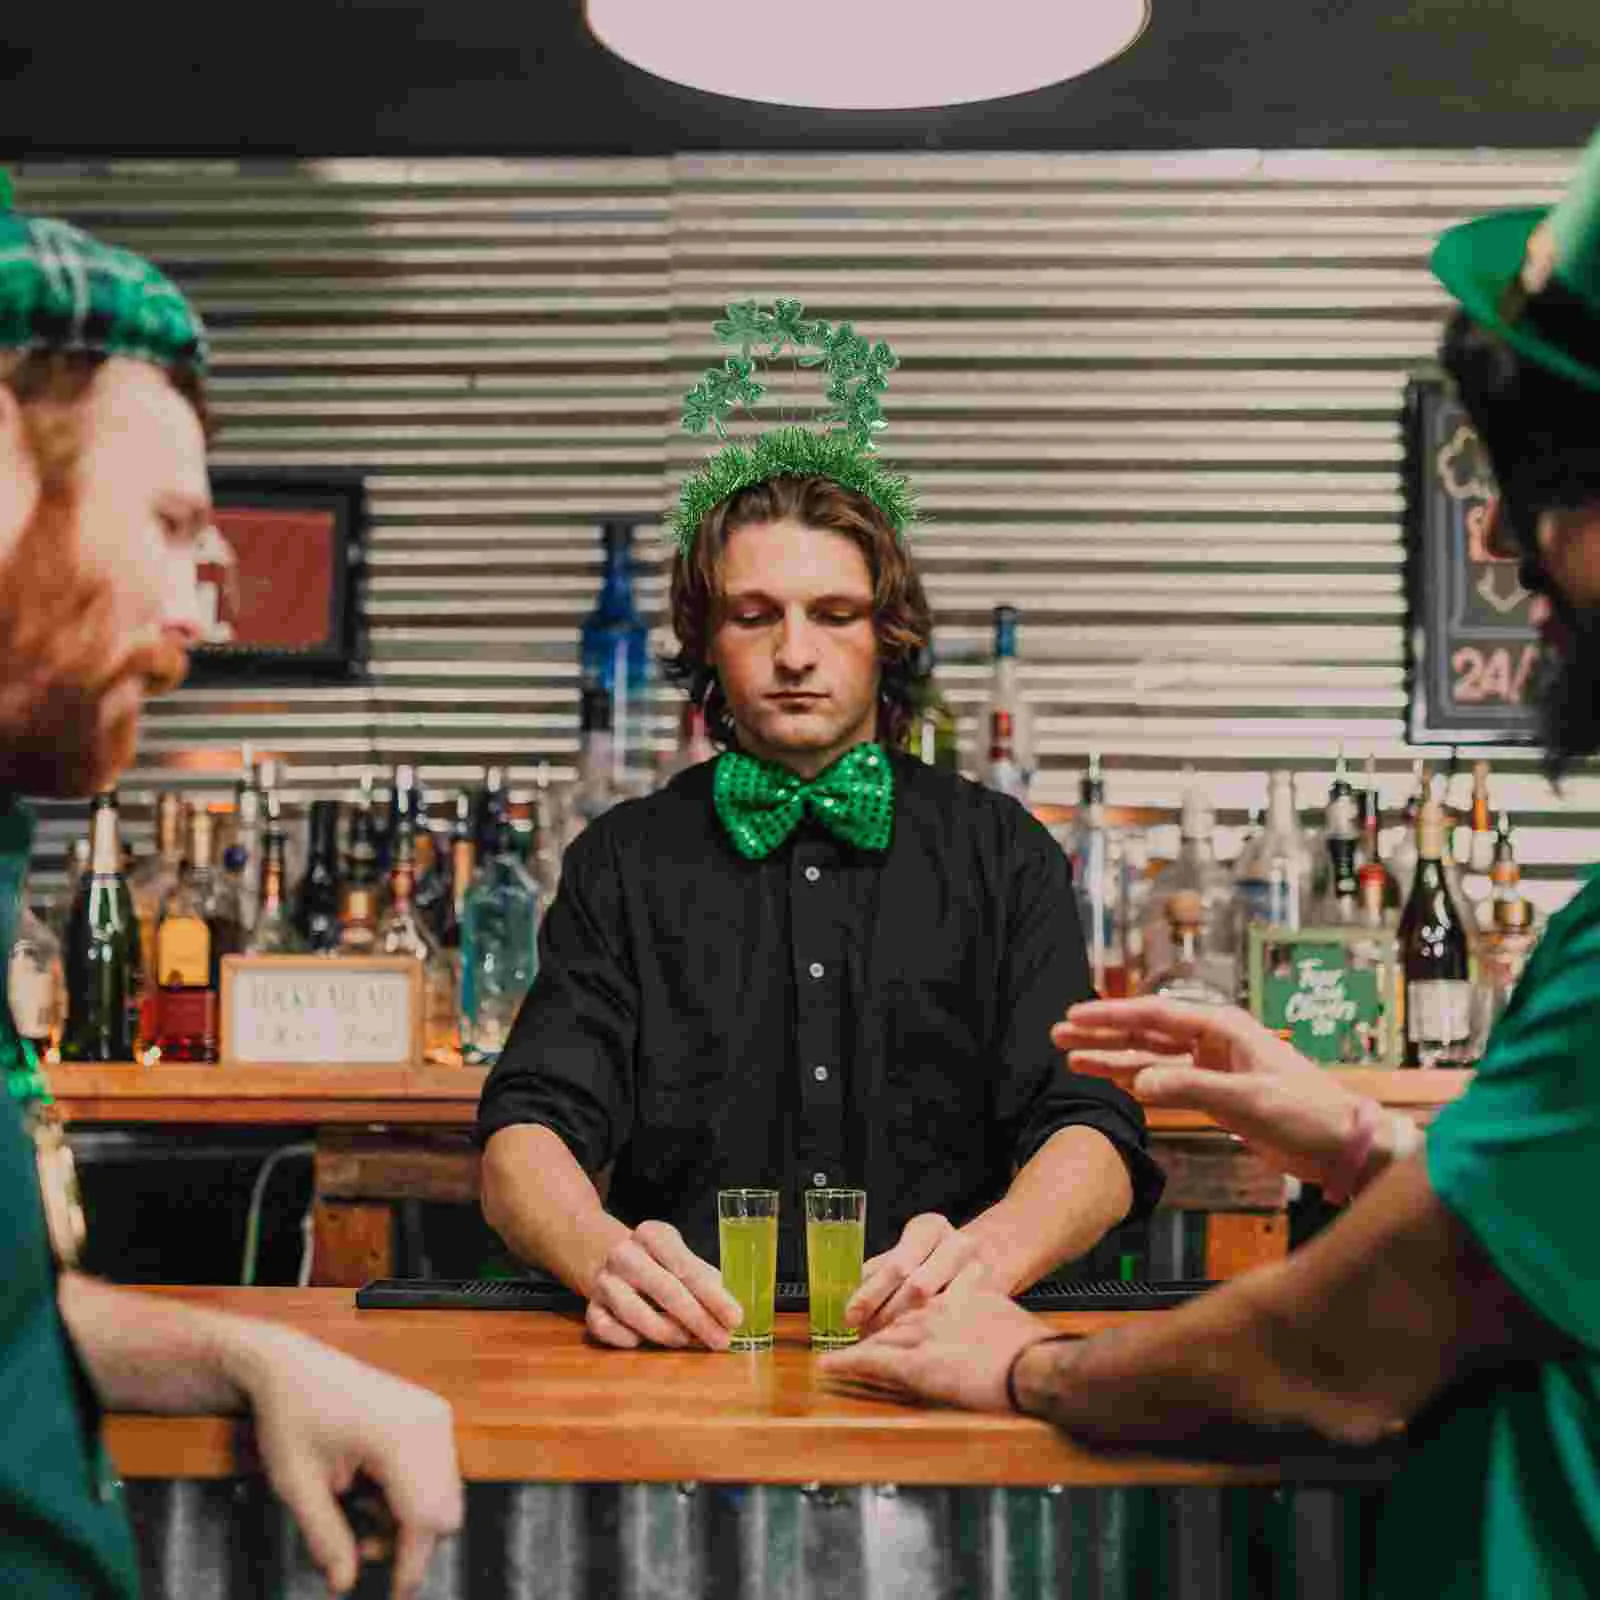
x=102, y=951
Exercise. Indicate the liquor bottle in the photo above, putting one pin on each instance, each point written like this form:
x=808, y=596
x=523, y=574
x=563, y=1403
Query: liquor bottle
x=463, y=867
x=1196, y=868
x=1003, y=771
x=1192, y=975
x=359, y=894
x=316, y=912
x=77, y=870
x=614, y=652
x=401, y=933
x=932, y=735
x=1504, y=947
x=1005, y=694
x=274, y=933
x=499, y=950
x=1403, y=859
x=241, y=858
x=596, y=789
x=407, y=808
x=35, y=981
x=1272, y=878
x=544, y=847
x=1369, y=849
x=101, y=954
x=491, y=805
x=1475, y=858
x=1133, y=899
x=199, y=926
x=432, y=893
x=150, y=883
x=1434, y=954
x=1092, y=883
x=1340, y=902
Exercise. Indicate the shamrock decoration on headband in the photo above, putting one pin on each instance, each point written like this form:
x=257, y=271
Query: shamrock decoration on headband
x=843, y=450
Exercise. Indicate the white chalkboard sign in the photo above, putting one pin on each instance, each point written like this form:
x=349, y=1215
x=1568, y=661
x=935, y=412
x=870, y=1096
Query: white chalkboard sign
x=316, y=1011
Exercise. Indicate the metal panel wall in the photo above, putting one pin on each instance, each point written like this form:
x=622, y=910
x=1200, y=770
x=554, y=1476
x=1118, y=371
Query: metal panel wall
x=1151, y=399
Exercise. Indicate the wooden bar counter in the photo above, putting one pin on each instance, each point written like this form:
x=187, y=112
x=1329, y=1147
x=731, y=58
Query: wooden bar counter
x=596, y=1473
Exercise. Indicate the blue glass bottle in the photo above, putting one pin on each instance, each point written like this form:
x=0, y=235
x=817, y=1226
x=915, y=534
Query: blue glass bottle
x=499, y=950
x=614, y=648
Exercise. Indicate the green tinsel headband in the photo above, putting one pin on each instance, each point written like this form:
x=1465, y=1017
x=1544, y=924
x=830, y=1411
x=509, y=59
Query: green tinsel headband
x=858, y=373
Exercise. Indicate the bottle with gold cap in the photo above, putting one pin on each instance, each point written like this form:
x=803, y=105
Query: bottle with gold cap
x=1435, y=955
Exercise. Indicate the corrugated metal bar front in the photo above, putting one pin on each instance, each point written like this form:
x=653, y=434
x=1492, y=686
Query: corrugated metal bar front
x=231, y=1541
x=1153, y=399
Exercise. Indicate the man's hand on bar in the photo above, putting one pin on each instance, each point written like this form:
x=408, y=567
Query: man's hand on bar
x=321, y=1418
x=957, y=1349
x=931, y=1253
x=652, y=1288
x=1221, y=1061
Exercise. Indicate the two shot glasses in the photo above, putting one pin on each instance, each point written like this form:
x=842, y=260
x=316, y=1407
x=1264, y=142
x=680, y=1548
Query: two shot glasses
x=836, y=1227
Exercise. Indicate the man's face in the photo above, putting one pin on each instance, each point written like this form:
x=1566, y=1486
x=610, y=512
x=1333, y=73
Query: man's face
x=1562, y=569
x=793, y=644
x=97, y=590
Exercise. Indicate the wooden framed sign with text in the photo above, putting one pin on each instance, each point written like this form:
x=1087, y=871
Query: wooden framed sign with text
x=321, y=1011
x=1333, y=991
x=1471, y=649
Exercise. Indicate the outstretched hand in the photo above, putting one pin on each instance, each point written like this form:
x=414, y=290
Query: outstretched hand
x=1221, y=1061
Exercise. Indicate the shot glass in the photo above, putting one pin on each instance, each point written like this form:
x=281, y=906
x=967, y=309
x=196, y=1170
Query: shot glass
x=836, y=1231
x=747, y=1233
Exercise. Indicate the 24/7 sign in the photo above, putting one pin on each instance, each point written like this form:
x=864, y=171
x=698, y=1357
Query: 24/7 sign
x=1472, y=650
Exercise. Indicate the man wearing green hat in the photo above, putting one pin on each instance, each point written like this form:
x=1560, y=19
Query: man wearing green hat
x=1457, y=1302
x=103, y=496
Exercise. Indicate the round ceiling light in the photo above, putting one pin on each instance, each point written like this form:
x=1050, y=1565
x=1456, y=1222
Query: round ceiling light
x=867, y=55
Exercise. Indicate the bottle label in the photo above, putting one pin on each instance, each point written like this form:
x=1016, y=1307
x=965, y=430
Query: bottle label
x=183, y=953
x=32, y=997
x=1275, y=901
x=187, y=1014
x=1439, y=1011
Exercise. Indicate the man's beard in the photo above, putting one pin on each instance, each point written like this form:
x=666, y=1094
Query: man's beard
x=1567, y=687
x=59, y=663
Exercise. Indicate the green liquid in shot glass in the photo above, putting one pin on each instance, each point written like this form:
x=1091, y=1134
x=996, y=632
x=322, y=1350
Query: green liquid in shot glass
x=833, y=1262
x=749, y=1247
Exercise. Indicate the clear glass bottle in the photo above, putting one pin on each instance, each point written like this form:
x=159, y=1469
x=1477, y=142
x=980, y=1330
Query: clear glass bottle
x=36, y=981
x=241, y=858
x=1193, y=975
x=274, y=933
x=1005, y=694
x=614, y=655
x=1403, y=858
x=1435, y=956
x=1476, y=858
x=932, y=735
x=1134, y=894
x=401, y=933
x=1092, y=880
x=1196, y=868
x=1272, y=878
x=499, y=949
x=199, y=926
x=150, y=884
x=595, y=791
x=1003, y=771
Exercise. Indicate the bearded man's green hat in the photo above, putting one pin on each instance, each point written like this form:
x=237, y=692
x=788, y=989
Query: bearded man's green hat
x=1533, y=276
x=62, y=289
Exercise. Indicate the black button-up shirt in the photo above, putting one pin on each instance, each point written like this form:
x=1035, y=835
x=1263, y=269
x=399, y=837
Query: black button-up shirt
x=823, y=1017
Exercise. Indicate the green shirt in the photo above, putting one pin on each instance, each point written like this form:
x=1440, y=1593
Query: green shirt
x=1501, y=1497
x=63, y=1528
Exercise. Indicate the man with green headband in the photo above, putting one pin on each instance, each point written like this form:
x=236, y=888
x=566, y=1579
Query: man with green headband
x=1458, y=1300
x=811, y=962
x=103, y=497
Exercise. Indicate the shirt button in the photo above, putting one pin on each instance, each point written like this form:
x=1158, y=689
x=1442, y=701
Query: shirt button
x=819, y=1180
x=820, y=1074
x=816, y=969
x=812, y=874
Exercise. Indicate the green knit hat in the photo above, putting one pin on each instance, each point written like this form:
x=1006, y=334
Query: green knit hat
x=60, y=289
x=1533, y=276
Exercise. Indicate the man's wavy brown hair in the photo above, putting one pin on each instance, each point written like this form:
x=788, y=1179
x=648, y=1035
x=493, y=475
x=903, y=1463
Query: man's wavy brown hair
x=900, y=615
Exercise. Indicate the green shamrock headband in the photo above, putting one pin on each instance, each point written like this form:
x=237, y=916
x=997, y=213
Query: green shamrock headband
x=858, y=373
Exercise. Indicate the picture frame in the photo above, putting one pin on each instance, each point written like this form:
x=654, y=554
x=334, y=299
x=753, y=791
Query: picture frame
x=1471, y=648
x=279, y=571
x=1333, y=991
x=315, y=1011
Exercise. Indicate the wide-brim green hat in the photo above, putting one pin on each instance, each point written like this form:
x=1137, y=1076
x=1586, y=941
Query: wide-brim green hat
x=1533, y=276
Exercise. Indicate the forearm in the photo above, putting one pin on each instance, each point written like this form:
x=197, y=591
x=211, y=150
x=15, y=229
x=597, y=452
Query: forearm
x=1059, y=1205
x=147, y=1353
x=545, y=1206
x=1350, y=1337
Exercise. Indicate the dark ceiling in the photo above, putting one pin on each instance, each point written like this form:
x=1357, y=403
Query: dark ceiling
x=524, y=77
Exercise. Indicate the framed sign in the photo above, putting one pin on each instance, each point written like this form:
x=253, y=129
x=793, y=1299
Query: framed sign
x=278, y=573
x=1333, y=992
x=1471, y=650
x=317, y=1011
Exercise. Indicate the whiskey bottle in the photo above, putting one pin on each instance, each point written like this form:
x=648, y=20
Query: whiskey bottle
x=359, y=893
x=199, y=926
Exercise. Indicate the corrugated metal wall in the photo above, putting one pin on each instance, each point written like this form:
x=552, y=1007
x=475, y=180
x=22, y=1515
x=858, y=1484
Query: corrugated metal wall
x=1151, y=399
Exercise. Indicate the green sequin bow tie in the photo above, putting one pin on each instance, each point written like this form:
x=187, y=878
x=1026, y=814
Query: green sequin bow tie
x=761, y=803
